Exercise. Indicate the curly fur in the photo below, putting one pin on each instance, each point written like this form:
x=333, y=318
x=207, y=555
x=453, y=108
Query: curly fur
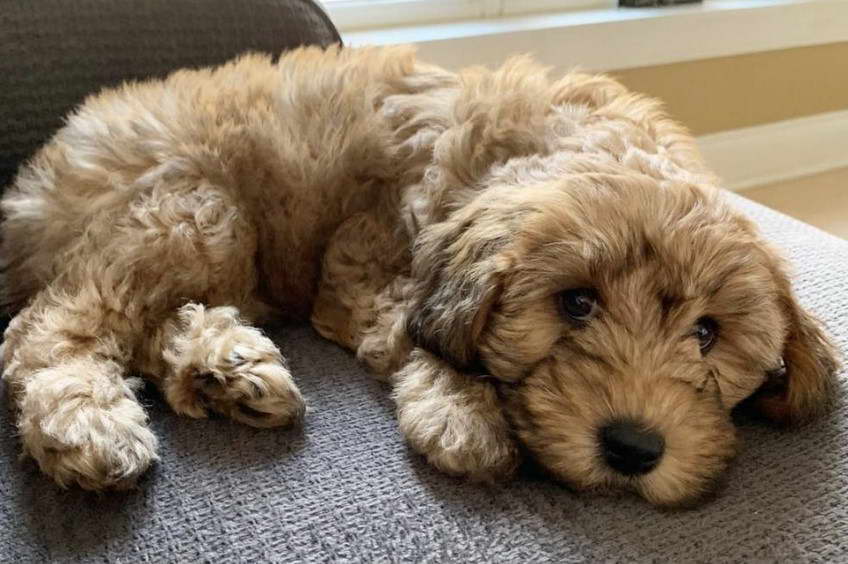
x=428, y=220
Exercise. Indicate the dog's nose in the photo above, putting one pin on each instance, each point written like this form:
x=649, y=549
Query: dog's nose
x=629, y=449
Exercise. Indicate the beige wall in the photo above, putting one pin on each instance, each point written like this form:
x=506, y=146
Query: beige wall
x=730, y=92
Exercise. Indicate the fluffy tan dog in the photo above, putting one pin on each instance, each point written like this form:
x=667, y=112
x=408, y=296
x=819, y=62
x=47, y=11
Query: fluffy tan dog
x=527, y=261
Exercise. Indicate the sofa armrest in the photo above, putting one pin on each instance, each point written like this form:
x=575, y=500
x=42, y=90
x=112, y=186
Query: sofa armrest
x=53, y=54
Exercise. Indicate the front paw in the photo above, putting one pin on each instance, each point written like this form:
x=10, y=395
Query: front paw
x=83, y=426
x=252, y=387
x=453, y=419
x=233, y=369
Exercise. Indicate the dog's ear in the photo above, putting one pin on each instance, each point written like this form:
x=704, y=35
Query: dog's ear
x=803, y=382
x=457, y=269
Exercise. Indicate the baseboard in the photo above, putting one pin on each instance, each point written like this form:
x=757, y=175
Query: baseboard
x=752, y=156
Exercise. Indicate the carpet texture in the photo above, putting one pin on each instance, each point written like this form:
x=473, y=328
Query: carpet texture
x=346, y=488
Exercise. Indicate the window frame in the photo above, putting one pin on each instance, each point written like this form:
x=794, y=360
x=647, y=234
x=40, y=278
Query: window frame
x=367, y=14
x=622, y=38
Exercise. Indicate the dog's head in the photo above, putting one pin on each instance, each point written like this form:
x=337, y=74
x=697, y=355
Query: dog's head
x=622, y=319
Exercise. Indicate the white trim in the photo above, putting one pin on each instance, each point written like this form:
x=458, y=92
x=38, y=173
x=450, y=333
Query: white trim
x=363, y=14
x=368, y=14
x=625, y=38
x=763, y=154
x=513, y=7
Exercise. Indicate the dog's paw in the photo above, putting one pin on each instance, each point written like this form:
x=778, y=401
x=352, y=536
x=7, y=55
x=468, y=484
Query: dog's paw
x=383, y=352
x=232, y=369
x=454, y=420
x=251, y=386
x=83, y=426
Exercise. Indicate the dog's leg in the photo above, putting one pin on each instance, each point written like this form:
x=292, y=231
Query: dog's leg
x=455, y=420
x=362, y=293
x=209, y=359
x=67, y=354
x=64, y=362
x=201, y=357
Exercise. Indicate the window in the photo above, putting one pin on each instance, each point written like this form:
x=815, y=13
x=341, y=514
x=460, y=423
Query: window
x=360, y=14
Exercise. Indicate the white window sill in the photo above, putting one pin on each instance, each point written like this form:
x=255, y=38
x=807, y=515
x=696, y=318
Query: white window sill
x=608, y=39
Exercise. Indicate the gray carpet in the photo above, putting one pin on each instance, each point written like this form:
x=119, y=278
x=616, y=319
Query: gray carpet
x=346, y=488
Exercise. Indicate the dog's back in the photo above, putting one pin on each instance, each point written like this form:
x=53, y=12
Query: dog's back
x=298, y=144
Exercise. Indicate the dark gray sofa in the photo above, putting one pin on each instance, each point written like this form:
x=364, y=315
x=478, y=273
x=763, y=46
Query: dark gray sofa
x=344, y=487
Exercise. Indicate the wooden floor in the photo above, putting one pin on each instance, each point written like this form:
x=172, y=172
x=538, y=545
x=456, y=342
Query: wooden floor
x=821, y=200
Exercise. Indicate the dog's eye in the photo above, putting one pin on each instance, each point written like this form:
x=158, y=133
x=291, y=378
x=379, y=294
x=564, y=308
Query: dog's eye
x=706, y=331
x=579, y=304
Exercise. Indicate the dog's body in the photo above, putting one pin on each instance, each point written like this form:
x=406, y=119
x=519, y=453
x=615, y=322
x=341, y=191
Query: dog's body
x=432, y=222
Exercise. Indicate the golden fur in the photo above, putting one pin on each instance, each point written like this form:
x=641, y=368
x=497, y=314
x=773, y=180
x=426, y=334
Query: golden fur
x=428, y=220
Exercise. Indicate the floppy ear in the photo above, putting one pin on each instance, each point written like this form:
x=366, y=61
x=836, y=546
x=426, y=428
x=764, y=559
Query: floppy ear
x=457, y=270
x=803, y=384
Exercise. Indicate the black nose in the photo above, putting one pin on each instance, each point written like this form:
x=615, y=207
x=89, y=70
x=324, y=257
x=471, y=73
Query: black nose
x=629, y=449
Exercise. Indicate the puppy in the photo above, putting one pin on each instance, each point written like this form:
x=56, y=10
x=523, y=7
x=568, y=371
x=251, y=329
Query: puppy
x=536, y=266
